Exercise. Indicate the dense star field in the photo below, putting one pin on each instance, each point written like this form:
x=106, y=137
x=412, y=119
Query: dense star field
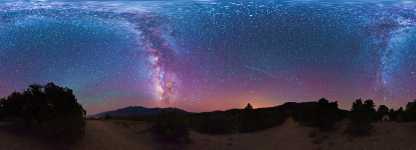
x=207, y=55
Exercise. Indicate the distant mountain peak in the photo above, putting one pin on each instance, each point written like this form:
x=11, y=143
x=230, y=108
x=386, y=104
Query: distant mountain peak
x=136, y=111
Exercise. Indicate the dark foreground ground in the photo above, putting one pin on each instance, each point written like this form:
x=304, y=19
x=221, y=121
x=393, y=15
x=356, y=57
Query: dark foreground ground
x=133, y=135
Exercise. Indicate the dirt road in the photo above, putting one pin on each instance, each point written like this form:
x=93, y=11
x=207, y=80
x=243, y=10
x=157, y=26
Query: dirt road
x=103, y=135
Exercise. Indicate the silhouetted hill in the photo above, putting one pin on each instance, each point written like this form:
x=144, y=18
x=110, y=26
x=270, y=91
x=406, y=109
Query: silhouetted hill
x=288, y=108
x=135, y=111
x=322, y=114
x=291, y=107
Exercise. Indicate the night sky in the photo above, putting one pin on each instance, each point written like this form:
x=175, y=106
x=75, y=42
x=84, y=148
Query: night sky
x=207, y=55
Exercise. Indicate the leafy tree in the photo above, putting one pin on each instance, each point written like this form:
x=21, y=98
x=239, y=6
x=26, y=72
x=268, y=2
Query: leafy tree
x=217, y=122
x=410, y=111
x=361, y=117
x=171, y=127
x=248, y=107
x=369, y=104
x=249, y=119
x=50, y=110
x=107, y=116
x=399, y=115
x=2, y=110
x=327, y=114
x=382, y=111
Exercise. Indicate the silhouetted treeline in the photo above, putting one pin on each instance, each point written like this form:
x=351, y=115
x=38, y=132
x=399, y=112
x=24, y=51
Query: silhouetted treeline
x=237, y=120
x=321, y=114
x=361, y=116
x=171, y=126
x=410, y=112
x=48, y=110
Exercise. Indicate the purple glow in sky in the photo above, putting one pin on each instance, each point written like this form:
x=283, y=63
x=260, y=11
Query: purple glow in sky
x=207, y=55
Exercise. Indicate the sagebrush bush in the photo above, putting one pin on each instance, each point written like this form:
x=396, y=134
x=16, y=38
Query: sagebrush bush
x=361, y=118
x=171, y=127
x=48, y=110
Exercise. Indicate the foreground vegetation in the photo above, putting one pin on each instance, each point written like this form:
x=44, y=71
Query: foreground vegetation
x=48, y=111
x=52, y=111
x=322, y=115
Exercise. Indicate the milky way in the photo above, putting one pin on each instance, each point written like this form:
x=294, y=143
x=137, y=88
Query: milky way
x=395, y=38
x=161, y=57
x=206, y=55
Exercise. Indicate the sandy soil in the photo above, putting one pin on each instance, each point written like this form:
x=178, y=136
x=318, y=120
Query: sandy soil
x=115, y=135
x=385, y=136
x=289, y=136
x=100, y=135
x=131, y=135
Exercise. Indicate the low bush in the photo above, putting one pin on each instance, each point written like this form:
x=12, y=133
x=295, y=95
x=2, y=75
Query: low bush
x=47, y=110
x=171, y=127
x=361, y=118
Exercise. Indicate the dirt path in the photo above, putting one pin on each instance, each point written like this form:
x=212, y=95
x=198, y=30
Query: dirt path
x=102, y=135
x=10, y=141
x=289, y=136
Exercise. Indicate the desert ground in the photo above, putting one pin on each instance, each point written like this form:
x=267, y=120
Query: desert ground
x=134, y=135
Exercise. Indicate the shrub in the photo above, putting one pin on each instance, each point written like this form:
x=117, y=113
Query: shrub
x=410, y=112
x=218, y=122
x=252, y=120
x=382, y=111
x=399, y=115
x=322, y=114
x=48, y=110
x=249, y=119
x=171, y=127
x=361, y=118
x=327, y=114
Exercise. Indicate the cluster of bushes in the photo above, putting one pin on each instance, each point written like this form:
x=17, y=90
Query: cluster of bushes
x=237, y=120
x=53, y=111
x=364, y=113
x=322, y=114
x=172, y=127
x=259, y=119
x=361, y=116
x=47, y=110
x=409, y=114
x=216, y=122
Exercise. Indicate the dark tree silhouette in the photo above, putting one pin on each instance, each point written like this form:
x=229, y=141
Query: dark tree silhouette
x=50, y=110
x=361, y=117
x=322, y=114
x=248, y=107
x=399, y=115
x=249, y=119
x=410, y=112
x=382, y=111
x=2, y=110
x=327, y=114
x=171, y=127
x=217, y=122
x=107, y=116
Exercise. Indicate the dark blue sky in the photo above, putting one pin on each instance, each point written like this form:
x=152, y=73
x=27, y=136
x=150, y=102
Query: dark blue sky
x=205, y=55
